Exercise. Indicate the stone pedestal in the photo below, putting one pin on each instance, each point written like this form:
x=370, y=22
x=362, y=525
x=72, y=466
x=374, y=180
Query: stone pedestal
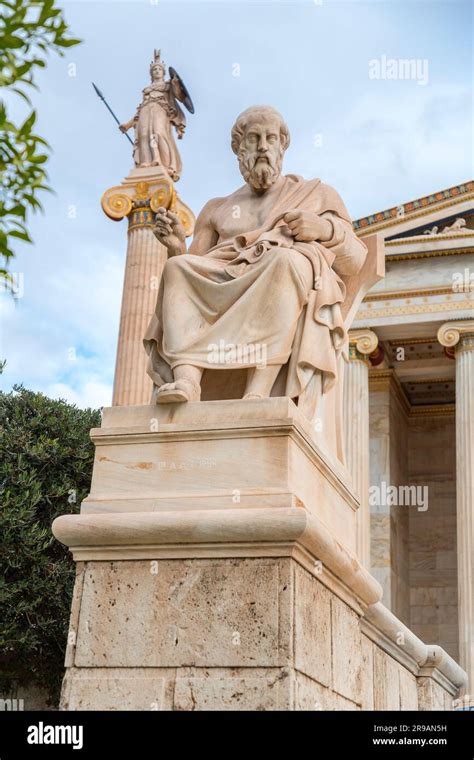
x=216, y=569
x=460, y=337
x=218, y=455
x=138, y=198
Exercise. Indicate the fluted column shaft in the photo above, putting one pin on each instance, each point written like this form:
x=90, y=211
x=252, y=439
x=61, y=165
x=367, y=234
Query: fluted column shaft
x=146, y=258
x=465, y=499
x=460, y=336
x=356, y=426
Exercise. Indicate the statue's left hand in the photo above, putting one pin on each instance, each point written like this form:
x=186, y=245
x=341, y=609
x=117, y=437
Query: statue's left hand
x=169, y=231
x=307, y=226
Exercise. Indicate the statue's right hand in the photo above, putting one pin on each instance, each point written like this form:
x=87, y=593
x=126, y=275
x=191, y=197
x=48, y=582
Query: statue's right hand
x=169, y=231
x=123, y=127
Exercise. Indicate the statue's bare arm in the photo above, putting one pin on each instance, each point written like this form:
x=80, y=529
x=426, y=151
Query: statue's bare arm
x=205, y=234
x=127, y=125
x=350, y=251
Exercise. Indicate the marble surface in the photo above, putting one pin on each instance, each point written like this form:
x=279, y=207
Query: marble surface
x=432, y=534
x=241, y=634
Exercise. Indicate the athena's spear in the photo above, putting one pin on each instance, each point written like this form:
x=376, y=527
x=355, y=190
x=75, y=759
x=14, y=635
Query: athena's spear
x=109, y=108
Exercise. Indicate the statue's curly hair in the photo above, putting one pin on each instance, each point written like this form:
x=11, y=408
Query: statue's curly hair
x=241, y=122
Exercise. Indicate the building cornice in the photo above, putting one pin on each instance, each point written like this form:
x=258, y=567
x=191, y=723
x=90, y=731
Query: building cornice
x=397, y=294
x=409, y=309
x=429, y=254
x=430, y=238
x=429, y=203
x=432, y=410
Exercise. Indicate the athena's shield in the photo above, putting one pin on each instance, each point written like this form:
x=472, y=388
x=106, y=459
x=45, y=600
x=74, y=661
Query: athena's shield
x=181, y=90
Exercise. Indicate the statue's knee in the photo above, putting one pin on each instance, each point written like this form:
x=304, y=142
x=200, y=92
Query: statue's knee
x=281, y=255
x=289, y=258
x=281, y=258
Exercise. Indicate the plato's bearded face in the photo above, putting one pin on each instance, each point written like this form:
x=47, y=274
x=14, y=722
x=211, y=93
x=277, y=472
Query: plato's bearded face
x=261, y=152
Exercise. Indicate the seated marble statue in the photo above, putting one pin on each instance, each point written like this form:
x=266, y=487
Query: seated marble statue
x=261, y=286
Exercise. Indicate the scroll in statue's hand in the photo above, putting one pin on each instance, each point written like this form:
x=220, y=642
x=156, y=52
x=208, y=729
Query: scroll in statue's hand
x=169, y=231
x=307, y=226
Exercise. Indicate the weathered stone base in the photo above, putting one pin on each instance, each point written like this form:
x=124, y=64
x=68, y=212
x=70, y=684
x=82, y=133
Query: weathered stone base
x=233, y=585
x=217, y=634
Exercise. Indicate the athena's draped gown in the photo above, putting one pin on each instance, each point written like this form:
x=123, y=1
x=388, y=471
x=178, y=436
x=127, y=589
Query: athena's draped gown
x=153, y=121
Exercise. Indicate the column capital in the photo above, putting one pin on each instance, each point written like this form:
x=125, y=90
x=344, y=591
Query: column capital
x=457, y=334
x=140, y=196
x=362, y=343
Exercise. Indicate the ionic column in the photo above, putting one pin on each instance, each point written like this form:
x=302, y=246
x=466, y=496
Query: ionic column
x=460, y=337
x=356, y=426
x=146, y=258
x=138, y=198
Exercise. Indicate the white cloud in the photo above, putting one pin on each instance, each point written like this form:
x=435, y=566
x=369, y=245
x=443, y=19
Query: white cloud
x=396, y=142
x=61, y=337
x=90, y=394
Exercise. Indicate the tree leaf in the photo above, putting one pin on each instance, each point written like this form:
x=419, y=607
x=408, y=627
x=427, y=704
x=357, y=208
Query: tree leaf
x=21, y=235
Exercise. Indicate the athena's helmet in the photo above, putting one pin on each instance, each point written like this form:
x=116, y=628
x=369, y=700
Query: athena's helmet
x=157, y=62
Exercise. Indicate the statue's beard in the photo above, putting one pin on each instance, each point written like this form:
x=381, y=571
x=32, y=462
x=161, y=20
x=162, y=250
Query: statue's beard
x=260, y=174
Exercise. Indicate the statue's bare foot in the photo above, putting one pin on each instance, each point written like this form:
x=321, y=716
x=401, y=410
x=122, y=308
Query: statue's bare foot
x=179, y=391
x=253, y=395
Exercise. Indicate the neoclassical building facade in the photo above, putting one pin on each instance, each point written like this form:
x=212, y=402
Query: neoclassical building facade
x=411, y=374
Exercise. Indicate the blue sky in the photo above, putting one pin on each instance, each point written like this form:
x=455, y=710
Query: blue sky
x=378, y=141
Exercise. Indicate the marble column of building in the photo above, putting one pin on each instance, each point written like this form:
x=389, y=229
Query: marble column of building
x=362, y=343
x=460, y=337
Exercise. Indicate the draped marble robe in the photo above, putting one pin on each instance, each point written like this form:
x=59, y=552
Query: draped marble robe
x=263, y=288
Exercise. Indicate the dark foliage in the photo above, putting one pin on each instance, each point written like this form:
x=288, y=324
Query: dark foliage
x=45, y=471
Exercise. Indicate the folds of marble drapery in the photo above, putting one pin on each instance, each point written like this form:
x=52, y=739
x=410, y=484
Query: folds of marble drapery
x=263, y=294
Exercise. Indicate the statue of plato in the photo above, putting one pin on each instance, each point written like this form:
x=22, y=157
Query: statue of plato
x=265, y=270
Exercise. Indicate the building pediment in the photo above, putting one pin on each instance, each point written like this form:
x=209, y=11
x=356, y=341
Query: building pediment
x=429, y=280
x=439, y=215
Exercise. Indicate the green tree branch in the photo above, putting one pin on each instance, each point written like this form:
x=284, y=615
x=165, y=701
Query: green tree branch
x=29, y=31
